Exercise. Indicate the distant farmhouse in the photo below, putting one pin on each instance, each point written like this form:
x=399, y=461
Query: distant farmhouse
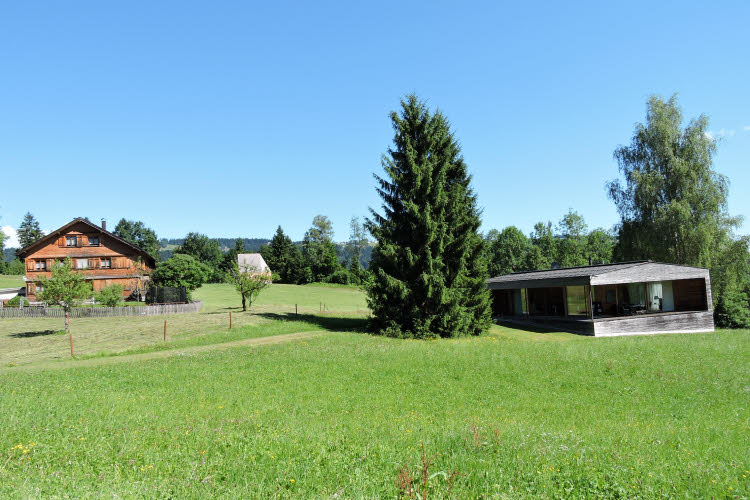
x=252, y=263
x=611, y=299
x=103, y=258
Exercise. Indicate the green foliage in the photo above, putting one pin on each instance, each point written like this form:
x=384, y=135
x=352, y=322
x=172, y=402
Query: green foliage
x=342, y=276
x=138, y=234
x=110, y=295
x=285, y=259
x=15, y=267
x=207, y=251
x=600, y=246
x=248, y=283
x=230, y=258
x=508, y=251
x=428, y=268
x=29, y=231
x=318, y=249
x=16, y=301
x=672, y=204
x=570, y=245
x=543, y=238
x=181, y=270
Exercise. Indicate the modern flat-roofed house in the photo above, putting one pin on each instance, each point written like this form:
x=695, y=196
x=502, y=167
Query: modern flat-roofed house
x=102, y=257
x=611, y=299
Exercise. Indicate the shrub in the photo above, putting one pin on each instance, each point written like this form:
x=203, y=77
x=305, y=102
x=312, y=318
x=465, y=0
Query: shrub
x=733, y=309
x=340, y=276
x=181, y=270
x=110, y=295
x=15, y=267
x=15, y=301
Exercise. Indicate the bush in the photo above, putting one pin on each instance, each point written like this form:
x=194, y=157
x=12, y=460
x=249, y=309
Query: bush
x=340, y=276
x=15, y=267
x=181, y=270
x=15, y=301
x=733, y=309
x=110, y=295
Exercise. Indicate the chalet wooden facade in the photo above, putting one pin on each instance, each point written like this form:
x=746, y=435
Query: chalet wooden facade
x=613, y=299
x=102, y=257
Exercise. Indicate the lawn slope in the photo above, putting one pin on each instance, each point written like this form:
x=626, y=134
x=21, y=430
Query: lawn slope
x=343, y=414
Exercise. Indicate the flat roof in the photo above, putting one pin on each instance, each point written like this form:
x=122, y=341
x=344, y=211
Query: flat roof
x=619, y=272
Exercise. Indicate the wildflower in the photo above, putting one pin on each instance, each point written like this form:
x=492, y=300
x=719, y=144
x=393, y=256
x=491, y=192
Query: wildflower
x=292, y=480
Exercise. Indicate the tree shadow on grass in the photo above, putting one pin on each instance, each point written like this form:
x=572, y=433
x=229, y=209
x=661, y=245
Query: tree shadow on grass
x=40, y=333
x=536, y=328
x=332, y=323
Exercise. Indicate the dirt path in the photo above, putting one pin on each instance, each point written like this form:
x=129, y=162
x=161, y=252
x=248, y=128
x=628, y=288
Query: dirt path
x=129, y=358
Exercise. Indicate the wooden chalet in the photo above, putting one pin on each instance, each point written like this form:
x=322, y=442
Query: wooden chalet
x=102, y=257
x=640, y=297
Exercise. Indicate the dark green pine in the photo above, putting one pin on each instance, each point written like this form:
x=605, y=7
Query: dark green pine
x=428, y=268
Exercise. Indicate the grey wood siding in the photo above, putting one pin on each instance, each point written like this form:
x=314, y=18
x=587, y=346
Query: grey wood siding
x=702, y=321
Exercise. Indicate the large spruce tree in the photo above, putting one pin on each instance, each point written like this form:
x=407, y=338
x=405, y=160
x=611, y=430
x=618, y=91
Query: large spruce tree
x=29, y=231
x=428, y=267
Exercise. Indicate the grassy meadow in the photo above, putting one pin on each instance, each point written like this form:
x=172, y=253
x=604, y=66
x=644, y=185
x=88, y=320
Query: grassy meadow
x=10, y=281
x=344, y=414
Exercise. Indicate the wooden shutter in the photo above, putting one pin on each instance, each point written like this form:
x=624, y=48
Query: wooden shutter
x=29, y=265
x=61, y=241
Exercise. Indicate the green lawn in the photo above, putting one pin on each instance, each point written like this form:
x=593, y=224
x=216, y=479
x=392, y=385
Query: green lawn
x=512, y=414
x=24, y=341
x=7, y=281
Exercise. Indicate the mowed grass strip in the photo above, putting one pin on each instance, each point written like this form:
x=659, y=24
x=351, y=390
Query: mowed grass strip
x=343, y=414
x=10, y=281
x=24, y=341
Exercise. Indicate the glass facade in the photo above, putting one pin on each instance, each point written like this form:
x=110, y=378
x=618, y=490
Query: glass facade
x=577, y=300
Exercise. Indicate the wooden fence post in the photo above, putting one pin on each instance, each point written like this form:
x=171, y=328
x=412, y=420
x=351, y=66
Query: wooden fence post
x=165, y=330
x=70, y=334
x=230, y=320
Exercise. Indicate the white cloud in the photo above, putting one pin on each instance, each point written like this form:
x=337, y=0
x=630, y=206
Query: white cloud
x=725, y=132
x=12, y=238
x=746, y=128
x=709, y=135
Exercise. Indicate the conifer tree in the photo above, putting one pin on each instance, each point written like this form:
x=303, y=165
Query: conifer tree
x=29, y=231
x=428, y=267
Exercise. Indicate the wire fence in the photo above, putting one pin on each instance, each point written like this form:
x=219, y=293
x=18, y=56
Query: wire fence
x=100, y=312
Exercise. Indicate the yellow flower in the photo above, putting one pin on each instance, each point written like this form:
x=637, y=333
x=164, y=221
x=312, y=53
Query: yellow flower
x=292, y=480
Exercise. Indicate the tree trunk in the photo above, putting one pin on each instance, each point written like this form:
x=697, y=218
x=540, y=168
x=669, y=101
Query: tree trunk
x=67, y=321
x=244, y=307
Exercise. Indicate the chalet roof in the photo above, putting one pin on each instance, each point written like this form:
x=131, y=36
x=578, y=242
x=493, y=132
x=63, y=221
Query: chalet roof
x=53, y=235
x=252, y=262
x=620, y=272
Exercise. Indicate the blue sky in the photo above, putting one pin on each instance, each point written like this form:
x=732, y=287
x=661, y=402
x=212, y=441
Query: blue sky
x=232, y=118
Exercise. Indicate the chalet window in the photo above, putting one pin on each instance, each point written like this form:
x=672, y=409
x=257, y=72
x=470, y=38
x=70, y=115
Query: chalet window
x=93, y=241
x=82, y=263
x=40, y=265
x=39, y=288
x=106, y=263
x=71, y=241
